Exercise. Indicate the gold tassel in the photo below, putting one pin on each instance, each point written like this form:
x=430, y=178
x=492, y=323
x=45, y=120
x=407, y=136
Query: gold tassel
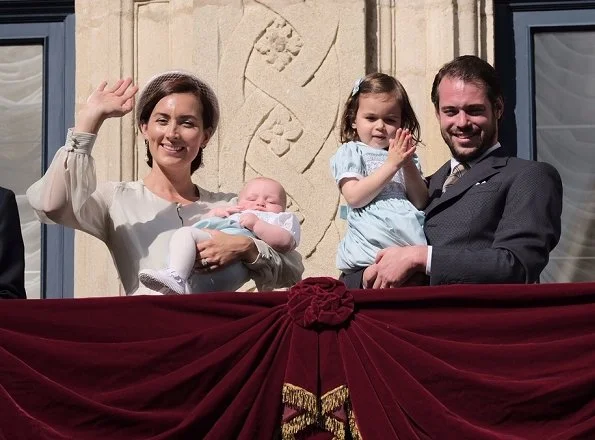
x=355, y=434
x=296, y=425
x=300, y=399
x=334, y=399
x=335, y=427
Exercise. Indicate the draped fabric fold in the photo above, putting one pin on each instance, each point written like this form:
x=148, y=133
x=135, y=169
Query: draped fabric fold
x=319, y=362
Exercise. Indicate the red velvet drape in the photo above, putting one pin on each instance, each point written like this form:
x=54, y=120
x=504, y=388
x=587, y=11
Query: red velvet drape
x=453, y=362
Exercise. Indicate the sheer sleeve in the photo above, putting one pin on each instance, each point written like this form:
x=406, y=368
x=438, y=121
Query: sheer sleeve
x=289, y=221
x=67, y=193
x=273, y=270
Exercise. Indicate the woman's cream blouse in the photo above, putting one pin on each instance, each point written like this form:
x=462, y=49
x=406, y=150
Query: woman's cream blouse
x=134, y=223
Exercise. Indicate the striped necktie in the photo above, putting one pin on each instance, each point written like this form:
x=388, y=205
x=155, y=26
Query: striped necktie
x=455, y=175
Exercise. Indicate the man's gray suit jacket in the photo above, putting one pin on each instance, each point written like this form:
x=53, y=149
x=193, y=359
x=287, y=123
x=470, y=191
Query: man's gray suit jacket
x=497, y=224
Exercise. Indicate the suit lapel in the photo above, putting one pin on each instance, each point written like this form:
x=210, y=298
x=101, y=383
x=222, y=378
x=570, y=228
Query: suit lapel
x=437, y=180
x=477, y=173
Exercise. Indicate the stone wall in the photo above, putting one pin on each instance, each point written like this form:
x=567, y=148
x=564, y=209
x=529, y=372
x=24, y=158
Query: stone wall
x=282, y=70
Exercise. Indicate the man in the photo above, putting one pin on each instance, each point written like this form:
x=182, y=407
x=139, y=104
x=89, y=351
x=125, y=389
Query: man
x=497, y=218
x=12, y=250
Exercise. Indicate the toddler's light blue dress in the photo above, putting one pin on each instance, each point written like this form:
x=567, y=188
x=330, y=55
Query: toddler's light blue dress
x=388, y=220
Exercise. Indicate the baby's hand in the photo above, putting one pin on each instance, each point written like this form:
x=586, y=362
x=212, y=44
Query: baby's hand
x=401, y=148
x=217, y=212
x=222, y=212
x=248, y=220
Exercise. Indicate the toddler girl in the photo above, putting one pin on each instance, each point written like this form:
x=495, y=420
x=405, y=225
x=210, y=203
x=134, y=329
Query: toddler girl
x=378, y=172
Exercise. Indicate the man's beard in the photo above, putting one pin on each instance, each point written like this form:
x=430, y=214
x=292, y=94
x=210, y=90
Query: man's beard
x=487, y=141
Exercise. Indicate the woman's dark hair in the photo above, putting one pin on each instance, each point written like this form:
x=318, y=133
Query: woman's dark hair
x=471, y=69
x=171, y=82
x=378, y=83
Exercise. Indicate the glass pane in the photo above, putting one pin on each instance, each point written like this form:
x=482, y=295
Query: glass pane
x=565, y=137
x=21, y=78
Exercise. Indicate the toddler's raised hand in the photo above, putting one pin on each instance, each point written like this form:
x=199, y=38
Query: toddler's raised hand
x=401, y=148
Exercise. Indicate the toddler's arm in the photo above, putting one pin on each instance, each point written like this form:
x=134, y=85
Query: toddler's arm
x=415, y=185
x=275, y=236
x=359, y=192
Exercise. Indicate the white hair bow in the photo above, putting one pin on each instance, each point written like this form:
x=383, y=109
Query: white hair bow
x=356, y=85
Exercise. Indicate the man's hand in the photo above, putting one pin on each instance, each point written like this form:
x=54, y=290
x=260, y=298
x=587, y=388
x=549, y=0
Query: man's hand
x=395, y=265
x=369, y=276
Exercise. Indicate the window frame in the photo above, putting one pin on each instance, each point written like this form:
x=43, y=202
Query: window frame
x=516, y=22
x=52, y=26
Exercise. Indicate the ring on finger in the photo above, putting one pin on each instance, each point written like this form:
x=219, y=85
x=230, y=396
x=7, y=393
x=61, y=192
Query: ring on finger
x=204, y=262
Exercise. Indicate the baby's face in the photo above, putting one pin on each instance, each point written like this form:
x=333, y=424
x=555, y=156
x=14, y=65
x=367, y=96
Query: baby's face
x=262, y=195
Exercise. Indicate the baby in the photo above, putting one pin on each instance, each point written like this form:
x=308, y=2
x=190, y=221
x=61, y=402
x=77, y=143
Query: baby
x=260, y=213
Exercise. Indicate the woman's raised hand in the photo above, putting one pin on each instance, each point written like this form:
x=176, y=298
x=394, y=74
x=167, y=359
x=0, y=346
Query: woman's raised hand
x=401, y=148
x=106, y=102
x=114, y=101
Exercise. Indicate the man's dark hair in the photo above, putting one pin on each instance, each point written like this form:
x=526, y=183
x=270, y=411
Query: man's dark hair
x=470, y=68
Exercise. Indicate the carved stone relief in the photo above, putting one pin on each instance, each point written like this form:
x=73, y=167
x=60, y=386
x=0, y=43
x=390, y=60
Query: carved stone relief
x=282, y=70
x=279, y=44
x=281, y=82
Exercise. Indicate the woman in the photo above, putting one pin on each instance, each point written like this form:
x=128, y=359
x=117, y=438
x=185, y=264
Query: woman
x=177, y=114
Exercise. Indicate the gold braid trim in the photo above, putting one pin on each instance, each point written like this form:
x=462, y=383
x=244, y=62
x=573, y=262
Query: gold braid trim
x=296, y=425
x=331, y=401
x=355, y=434
x=335, y=427
x=334, y=399
x=299, y=398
